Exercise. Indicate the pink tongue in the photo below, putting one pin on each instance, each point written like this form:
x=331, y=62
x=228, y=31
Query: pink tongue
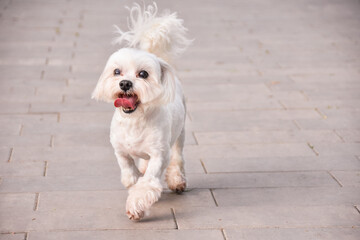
x=126, y=102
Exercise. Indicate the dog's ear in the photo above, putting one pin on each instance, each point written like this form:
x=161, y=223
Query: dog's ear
x=168, y=82
x=99, y=93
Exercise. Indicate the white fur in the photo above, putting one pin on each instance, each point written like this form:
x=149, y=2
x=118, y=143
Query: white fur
x=154, y=132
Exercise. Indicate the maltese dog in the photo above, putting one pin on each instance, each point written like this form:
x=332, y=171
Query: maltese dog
x=148, y=124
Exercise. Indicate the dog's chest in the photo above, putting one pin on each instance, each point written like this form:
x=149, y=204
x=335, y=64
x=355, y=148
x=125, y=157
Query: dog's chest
x=130, y=138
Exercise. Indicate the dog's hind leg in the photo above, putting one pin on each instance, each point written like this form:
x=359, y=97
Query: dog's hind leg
x=175, y=172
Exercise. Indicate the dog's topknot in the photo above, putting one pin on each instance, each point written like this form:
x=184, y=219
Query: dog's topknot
x=162, y=35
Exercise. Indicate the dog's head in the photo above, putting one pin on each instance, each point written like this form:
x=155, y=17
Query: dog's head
x=134, y=79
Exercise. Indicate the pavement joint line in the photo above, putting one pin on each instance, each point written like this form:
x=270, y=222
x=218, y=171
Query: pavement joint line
x=52, y=139
x=29, y=108
x=304, y=94
x=313, y=148
x=11, y=153
x=357, y=209
x=36, y=203
x=213, y=196
x=283, y=105
x=194, y=136
x=335, y=179
x=337, y=134
x=45, y=168
x=21, y=129
x=321, y=114
x=174, y=217
x=203, y=166
x=223, y=233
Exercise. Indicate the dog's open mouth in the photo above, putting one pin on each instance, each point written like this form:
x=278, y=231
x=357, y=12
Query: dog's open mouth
x=127, y=101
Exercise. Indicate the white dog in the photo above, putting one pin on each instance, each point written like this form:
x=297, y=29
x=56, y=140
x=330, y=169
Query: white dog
x=148, y=123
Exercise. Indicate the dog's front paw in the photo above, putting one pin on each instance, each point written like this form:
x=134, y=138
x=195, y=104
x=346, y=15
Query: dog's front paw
x=129, y=178
x=141, y=196
x=175, y=180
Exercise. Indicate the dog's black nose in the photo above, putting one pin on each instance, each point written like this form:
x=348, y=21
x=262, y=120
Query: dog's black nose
x=125, y=85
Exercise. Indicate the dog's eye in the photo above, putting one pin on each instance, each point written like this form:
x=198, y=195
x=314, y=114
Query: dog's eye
x=117, y=71
x=143, y=74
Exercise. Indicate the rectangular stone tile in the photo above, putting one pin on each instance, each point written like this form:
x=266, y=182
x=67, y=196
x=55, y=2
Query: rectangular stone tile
x=117, y=199
x=84, y=219
x=294, y=234
x=69, y=153
x=34, y=140
x=266, y=217
x=9, y=107
x=81, y=106
x=12, y=128
x=88, y=118
x=317, y=163
x=22, y=169
x=333, y=123
x=226, y=123
x=347, y=178
x=266, y=137
x=260, y=180
x=12, y=236
x=105, y=167
x=17, y=202
x=248, y=104
x=247, y=115
x=298, y=196
x=222, y=92
x=58, y=128
x=59, y=183
x=337, y=149
x=248, y=150
x=321, y=104
x=178, y=234
x=29, y=119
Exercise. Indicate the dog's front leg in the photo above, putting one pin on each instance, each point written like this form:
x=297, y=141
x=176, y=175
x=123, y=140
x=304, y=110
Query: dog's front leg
x=148, y=189
x=129, y=171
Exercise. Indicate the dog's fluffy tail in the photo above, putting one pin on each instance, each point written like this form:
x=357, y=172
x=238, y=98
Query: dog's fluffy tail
x=162, y=35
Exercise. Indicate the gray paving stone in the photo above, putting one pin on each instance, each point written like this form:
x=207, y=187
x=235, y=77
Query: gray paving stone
x=10, y=141
x=222, y=165
x=22, y=169
x=266, y=179
x=296, y=234
x=211, y=234
x=267, y=217
x=59, y=183
x=17, y=201
x=249, y=150
x=336, y=149
x=84, y=219
x=69, y=153
x=266, y=137
x=12, y=236
x=299, y=196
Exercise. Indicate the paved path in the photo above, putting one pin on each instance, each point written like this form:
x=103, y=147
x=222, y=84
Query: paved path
x=273, y=133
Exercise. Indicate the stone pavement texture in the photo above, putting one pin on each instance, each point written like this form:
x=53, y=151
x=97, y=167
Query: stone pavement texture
x=273, y=128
